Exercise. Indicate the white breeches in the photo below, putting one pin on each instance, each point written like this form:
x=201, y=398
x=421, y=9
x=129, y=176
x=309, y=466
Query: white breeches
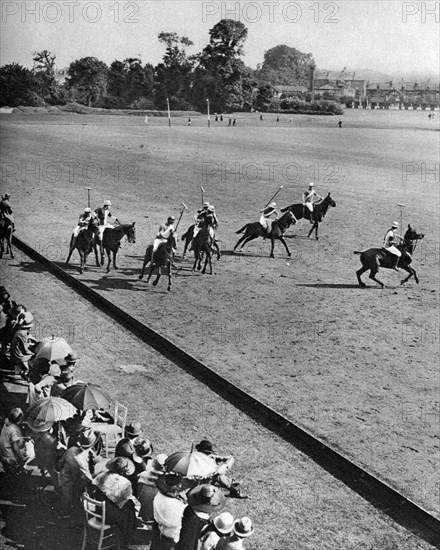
x=266, y=223
x=197, y=229
x=309, y=206
x=395, y=251
x=157, y=242
x=77, y=229
x=101, y=230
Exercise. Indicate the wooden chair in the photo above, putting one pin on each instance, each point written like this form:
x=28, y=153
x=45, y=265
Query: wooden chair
x=105, y=536
x=112, y=431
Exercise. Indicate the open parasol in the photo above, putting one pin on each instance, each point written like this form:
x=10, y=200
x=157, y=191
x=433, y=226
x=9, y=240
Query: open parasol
x=44, y=412
x=54, y=348
x=191, y=464
x=87, y=396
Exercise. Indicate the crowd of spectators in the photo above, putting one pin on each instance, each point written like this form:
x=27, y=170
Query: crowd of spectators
x=141, y=488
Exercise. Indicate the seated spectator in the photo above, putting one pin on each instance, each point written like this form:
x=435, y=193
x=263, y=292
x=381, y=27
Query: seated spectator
x=77, y=467
x=113, y=487
x=168, y=507
x=141, y=457
x=241, y=530
x=126, y=446
x=70, y=362
x=46, y=446
x=218, y=528
x=22, y=346
x=66, y=380
x=147, y=489
x=202, y=501
x=12, y=454
x=223, y=463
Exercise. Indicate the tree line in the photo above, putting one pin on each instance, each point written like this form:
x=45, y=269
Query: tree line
x=186, y=81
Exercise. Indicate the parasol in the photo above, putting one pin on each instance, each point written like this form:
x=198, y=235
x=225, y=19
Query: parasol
x=44, y=412
x=54, y=348
x=87, y=396
x=191, y=464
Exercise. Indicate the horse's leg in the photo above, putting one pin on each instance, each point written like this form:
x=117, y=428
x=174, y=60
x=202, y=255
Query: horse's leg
x=109, y=260
x=71, y=249
x=207, y=260
x=216, y=246
x=372, y=276
x=151, y=272
x=359, y=272
x=159, y=273
x=95, y=248
x=185, y=248
x=411, y=272
x=248, y=240
x=144, y=265
x=169, y=276
x=315, y=229
x=282, y=239
x=81, y=261
x=114, y=259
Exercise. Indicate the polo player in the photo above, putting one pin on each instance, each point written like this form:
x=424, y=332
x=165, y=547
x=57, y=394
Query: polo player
x=163, y=234
x=6, y=211
x=310, y=196
x=266, y=214
x=103, y=214
x=83, y=221
x=390, y=240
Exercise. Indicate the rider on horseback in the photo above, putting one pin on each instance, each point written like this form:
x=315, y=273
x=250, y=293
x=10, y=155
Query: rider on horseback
x=309, y=200
x=266, y=213
x=165, y=230
x=83, y=221
x=103, y=213
x=206, y=215
x=6, y=212
x=390, y=240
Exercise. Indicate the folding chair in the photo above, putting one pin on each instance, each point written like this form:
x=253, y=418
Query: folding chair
x=112, y=431
x=105, y=536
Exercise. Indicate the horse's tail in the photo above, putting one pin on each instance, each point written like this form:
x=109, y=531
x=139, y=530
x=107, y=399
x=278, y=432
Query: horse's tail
x=357, y=252
x=242, y=229
x=183, y=237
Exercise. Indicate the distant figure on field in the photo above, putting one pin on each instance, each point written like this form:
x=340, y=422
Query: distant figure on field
x=230, y=121
x=221, y=118
x=340, y=124
x=234, y=122
x=261, y=118
x=146, y=119
x=278, y=118
x=189, y=121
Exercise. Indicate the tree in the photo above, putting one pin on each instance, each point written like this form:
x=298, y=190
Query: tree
x=44, y=71
x=173, y=77
x=285, y=66
x=221, y=76
x=18, y=86
x=264, y=98
x=87, y=78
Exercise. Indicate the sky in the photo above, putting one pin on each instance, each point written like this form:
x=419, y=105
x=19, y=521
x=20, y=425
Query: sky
x=388, y=36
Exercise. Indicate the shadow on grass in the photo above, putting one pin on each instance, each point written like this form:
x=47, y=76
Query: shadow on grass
x=334, y=285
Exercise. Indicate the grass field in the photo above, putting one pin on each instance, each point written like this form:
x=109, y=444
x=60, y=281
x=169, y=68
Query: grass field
x=358, y=367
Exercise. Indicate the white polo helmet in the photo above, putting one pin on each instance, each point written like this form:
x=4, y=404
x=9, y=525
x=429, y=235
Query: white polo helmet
x=311, y=184
x=87, y=210
x=395, y=224
x=107, y=203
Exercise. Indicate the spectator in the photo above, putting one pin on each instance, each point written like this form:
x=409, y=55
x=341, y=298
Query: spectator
x=126, y=446
x=23, y=344
x=70, y=361
x=168, y=505
x=241, y=530
x=46, y=446
x=11, y=443
x=141, y=457
x=216, y=529
x=147, y=489
x=65, y=381
x=113, y=487
x=203, y=500
x=77, y=467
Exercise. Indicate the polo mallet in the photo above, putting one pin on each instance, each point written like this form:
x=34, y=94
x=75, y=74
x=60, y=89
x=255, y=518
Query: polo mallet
x=181, y=214
x=281, y=186
x=203, y=191
x=401, y=206
x=88, y=195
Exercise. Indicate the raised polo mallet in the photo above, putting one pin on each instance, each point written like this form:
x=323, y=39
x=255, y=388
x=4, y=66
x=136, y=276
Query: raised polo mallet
x=401, y=206
x=270, y=200
x=88, y=195
x=203, y=191
x=181, y=214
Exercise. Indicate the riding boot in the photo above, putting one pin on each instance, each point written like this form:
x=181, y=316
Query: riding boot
x=396, y=263
x=312, y=218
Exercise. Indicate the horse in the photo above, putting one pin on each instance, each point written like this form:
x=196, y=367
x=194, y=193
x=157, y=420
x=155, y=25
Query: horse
x=111, y=240
x=6, y=230
x=202, y=246
x=84, y=243
x=163, y=257
x=255, y=230
x=319, y=212
x=373, y=258
x=188, y=237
